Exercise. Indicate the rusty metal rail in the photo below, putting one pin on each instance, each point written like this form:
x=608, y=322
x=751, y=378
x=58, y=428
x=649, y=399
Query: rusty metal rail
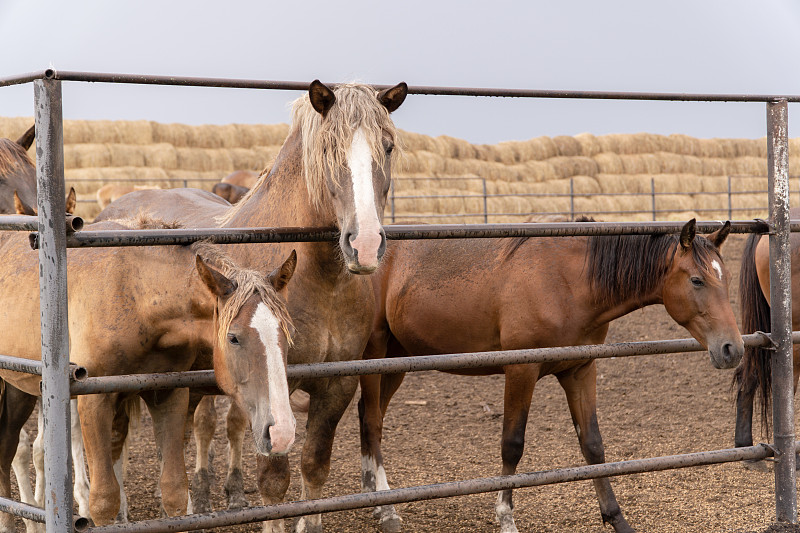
x=205, y=378
x=440, y=490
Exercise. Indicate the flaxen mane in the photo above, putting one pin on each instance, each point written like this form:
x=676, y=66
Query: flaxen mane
x=248, y=283
x=325, y=140
x=13, y=157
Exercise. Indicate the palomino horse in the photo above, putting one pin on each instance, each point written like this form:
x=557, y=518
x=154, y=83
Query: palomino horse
x=17, y=172
x=157, y=309
x=754, y=376
x=334, y=169
x=452, y=296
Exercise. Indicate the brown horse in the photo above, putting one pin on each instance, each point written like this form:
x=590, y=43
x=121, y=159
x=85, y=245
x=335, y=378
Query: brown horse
x=485, y=294
x=754, y=376
x=334, y=169
x=156, y=309
x=17, y=172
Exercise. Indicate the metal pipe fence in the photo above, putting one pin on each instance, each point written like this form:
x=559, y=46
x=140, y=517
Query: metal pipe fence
x=52, y=241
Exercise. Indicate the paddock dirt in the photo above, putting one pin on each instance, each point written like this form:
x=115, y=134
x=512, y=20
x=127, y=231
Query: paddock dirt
x=442, y=428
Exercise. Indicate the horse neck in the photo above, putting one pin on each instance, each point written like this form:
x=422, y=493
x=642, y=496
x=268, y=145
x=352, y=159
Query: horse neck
x=625, y=300
x=282, y=200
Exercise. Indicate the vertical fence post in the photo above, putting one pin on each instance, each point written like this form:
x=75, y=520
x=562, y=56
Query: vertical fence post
x=53, y=300
x=571, y=199
x=391, y=199
x=485, y=203
x=653, y=196
x=730, y=199
x=781, y=311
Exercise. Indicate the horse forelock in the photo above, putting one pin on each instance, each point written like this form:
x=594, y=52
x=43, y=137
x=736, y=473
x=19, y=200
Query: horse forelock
x=623, y=267
x=13, y=157
x=248, y=283
x=326, y=140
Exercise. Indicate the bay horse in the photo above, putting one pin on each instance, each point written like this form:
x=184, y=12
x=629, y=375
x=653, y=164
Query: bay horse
x=156, y=309
x=474, y=295
x=333, y=170
x=754, y=376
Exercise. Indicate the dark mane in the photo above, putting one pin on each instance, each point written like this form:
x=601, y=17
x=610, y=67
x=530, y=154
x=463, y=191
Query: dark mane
x=512, y=244
x=13, y=157
x=622, y=267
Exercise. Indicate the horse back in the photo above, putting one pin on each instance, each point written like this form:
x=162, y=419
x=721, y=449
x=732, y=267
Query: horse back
x=188, y=207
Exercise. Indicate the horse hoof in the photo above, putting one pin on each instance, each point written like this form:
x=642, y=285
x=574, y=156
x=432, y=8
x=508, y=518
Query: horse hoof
x=234, y=490
x=303, y=526
x=201, y=492
x=756, y=465
x=392, y=524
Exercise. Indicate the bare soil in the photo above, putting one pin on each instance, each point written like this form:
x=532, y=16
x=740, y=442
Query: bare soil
x=441, y=428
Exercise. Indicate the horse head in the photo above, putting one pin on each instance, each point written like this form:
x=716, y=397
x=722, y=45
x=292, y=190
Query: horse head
x=253, y=334
x=348, y=145
x=696, y=295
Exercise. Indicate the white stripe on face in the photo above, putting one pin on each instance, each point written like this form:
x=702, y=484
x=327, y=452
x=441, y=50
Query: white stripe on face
x=368, y=238
x=282, y=433
x=717, y=268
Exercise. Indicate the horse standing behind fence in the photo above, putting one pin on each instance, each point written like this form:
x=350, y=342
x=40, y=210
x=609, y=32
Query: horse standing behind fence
x=476, y=295
x=333, y=170
x=754, y=376
x=155, y=309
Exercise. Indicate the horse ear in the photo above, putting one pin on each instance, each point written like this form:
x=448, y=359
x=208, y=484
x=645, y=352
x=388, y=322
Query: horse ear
x=27, y=138
x=216, y=282
x=687, y=234
x=72, y=201
x=719, y=236
x=322, y=98
x=21, y=207
x=281, y=275
x=392, y=97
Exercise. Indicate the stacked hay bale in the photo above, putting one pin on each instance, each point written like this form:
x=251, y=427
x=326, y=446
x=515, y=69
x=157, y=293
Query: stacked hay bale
x=611, y=176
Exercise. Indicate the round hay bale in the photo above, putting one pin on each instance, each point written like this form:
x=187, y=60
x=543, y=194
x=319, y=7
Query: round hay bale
x=160, y=155
x=567, y=146
x=609, y=163
x=590, y=146
x=640, y=164
x=86, y=155
x=683, y=144
x=126, y=155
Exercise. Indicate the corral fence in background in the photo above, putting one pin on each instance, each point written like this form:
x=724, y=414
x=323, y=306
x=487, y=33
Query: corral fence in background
x=59, y=379
x=479, y=204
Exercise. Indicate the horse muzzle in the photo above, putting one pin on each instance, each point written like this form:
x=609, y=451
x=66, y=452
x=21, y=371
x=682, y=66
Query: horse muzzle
x=275, y=439
x=727, y=354
x=363, y=251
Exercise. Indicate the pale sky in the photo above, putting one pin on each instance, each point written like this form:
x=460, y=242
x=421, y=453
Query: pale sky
x=696, y=46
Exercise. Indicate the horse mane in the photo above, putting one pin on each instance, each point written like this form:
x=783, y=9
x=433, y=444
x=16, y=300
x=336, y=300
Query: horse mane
x=248, y=282
x=512, y=245
x=13, y=157
x=622, y=267
x=325, y=140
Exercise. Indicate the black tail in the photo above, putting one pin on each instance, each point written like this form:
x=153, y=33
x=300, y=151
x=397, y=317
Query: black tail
x=755, y=371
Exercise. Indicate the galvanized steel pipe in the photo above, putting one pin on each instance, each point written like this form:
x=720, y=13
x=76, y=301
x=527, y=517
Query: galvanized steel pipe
x=440, y=490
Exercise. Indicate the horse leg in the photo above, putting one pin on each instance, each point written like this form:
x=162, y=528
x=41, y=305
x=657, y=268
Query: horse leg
x=168, y=410
x=96, y=413
x=376, y=393
x=20, y=465
x=119, y=452
x=324, y=412
x=80, y=488
x=520, y=382
x=580, y=387
x=743, y=435
x=273, y=482
x=38, y=456
x=205, y=423
x=236, y=425
x=17, y=406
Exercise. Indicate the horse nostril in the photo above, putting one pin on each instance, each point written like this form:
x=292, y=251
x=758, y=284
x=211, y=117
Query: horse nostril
x=382, y=247
x=267, y=439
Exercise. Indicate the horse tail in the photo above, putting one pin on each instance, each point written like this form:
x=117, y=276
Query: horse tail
x=133, y=410
x=755, y=371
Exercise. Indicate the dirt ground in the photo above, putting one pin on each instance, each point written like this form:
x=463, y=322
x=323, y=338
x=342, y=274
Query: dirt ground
x=442, y=428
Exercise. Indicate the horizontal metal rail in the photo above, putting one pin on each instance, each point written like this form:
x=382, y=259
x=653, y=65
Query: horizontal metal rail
x=444, y=362
x=481, y=214
x=161, y=237
x=194, y=81
x=31, y=223
x=37, y=514
x=439, y=490
x=32, y=366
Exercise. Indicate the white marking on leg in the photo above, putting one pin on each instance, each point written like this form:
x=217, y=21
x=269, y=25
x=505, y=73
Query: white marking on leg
x=38, y=457
x=505, y=515
x=282, y=433
x=368, y=226
x=717, y=268
x=119, y=473
x=80, y=488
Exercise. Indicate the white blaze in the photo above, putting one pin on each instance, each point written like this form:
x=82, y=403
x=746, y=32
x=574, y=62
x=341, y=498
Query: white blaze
x=717, y=268
x=282, y=433
x=368, y=227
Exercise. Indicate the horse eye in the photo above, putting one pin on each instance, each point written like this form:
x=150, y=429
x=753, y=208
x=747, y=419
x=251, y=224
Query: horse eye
x=389, y=149
x=697, y=282
x=232, y=339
